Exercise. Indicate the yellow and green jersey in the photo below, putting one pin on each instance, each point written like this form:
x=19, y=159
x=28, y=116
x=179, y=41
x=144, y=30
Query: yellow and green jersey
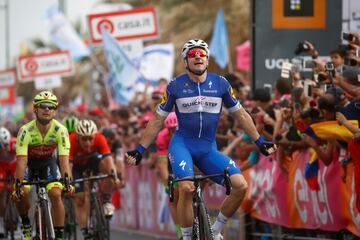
x=32, y=144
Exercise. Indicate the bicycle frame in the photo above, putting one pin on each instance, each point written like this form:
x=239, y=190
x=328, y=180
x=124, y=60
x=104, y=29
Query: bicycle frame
x=43, y=220
x=201, y=226
x=98, y=223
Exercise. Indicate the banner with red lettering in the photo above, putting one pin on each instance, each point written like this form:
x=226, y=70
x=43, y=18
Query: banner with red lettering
x=273, y=196
x=287, y=200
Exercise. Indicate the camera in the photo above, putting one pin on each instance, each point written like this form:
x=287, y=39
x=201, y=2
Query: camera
x=347, y=36
x=302, y=47
x=329, y=66
x=322, y=77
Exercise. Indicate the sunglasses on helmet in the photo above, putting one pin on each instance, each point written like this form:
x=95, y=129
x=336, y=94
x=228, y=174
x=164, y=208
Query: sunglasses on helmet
x=46, y=106
x=196, y=52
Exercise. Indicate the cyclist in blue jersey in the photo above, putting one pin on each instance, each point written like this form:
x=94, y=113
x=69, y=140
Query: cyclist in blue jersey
x=198, y=97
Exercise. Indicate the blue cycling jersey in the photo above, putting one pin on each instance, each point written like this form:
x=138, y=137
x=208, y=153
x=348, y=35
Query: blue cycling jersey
x=198, y=105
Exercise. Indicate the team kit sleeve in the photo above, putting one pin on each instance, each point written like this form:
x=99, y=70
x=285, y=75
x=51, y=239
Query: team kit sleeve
x=22, y=140
x=63, y=142
x=229, y=98
x=101, y=143
x=167, y=101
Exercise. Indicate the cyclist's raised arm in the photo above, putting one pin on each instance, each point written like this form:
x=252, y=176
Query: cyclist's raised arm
x=246, y=123
x=153, y=127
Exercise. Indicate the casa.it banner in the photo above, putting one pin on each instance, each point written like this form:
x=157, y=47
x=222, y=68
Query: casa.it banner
x=286, y=199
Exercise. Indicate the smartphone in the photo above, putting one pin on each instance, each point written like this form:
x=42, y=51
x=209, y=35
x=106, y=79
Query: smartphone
x=329, y=66
x=285, y=69
x=309, y=64
x=327, y=87
x=347, y=36
x=307, y=88
x=268, y=87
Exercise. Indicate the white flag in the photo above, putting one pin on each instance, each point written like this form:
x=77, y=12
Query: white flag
x=158, y=62
x=124, y=74
x=64, y=35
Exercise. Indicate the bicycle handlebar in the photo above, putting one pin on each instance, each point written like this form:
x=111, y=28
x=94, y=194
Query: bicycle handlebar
x=199, y=178
x=95, y=178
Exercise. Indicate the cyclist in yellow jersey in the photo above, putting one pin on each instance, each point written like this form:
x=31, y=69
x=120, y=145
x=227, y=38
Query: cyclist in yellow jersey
x=43, y=145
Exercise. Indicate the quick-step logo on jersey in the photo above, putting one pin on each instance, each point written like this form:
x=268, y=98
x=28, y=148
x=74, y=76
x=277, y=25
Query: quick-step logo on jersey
x=199, y=104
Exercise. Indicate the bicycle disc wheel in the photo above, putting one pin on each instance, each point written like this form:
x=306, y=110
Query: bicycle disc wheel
x=205, y=230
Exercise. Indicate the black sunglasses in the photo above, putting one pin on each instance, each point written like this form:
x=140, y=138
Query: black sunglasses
x=46, y=106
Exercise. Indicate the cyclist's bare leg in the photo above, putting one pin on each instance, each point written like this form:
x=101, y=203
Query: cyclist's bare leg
x=23, y=205
x=82, y=208
x=162, y=166
x=57, y=207
x=233, y=201
x=184, y=206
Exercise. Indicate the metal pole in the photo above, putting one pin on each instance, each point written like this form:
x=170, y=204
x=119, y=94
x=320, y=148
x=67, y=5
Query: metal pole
x=62, y=6
x=7, y=33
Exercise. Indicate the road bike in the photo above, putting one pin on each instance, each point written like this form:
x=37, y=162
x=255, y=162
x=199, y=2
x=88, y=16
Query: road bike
x=43, y=224
x=11, y=215
x=201, y=226
x=98, y=223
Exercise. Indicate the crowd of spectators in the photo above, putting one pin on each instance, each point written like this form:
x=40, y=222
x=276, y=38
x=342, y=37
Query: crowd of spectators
x=329, y=92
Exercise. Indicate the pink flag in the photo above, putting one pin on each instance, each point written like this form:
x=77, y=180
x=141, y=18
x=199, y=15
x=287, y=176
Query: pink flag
x=243, y=56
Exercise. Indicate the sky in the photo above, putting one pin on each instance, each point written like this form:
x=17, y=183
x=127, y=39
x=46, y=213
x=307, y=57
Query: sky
x=26, y=21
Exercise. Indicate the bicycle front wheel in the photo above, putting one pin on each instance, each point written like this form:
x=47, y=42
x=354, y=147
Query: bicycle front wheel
x=11, y=218
x=205, y=230
x=48, y=220
x=98, y=221
x=70, y=221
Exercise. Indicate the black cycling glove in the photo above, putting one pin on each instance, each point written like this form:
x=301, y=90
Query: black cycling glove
x=266, y=147
x=137, y=153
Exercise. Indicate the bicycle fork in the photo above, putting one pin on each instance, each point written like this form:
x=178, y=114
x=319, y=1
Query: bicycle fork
x=43, y=213
x=201, y=216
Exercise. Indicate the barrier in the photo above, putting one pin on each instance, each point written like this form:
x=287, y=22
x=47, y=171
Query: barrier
x=273, y=196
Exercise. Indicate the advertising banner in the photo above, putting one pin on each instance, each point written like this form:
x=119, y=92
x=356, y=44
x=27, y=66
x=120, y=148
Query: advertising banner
x=280, y=25
x=273, y=196
x=287, y=200
x=7, y=78
x=45, y=64
x=138, y=23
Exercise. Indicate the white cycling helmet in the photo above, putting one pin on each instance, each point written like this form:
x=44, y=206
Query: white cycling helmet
x=193, y=43
x=4, y=136
x=86, y=128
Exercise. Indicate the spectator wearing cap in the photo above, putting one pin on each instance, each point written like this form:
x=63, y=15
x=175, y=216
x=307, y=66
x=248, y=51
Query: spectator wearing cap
x=349, y=81
x=99, y=116
x=339, y=94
